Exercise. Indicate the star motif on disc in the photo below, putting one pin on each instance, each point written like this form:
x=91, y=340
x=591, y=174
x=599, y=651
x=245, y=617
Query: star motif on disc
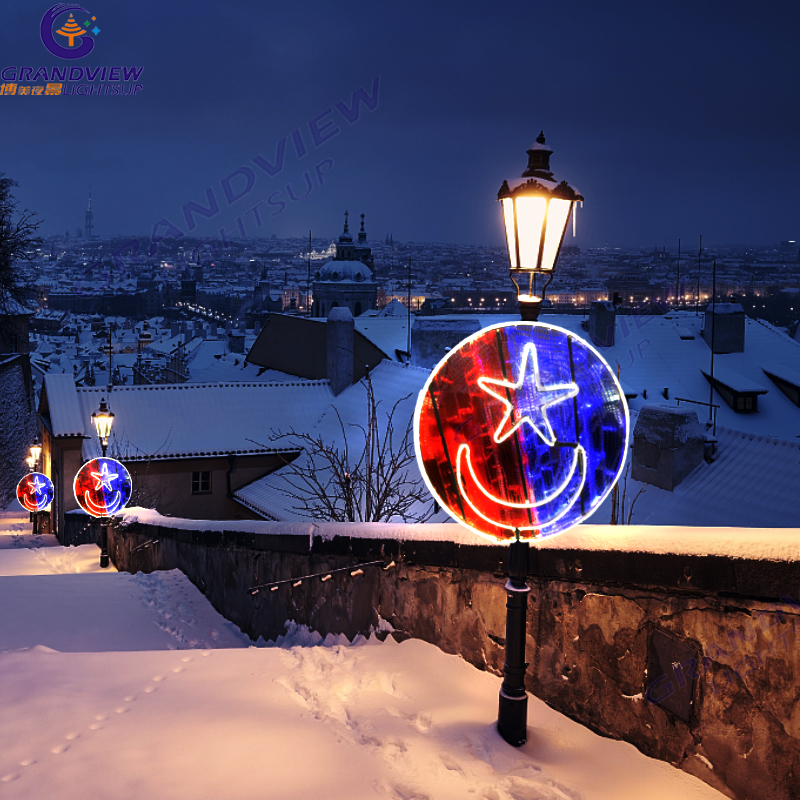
x=36, y=486
x=104, y=477
x=527, y=400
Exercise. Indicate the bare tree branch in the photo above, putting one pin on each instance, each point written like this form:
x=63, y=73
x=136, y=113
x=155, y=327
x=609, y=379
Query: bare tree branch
x=18, y=242
x=349, y=482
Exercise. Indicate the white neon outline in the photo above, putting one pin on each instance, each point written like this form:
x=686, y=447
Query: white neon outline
x=92, y=508
x=520, y=506
x=24, y=501
x=500, y=501
x=110, y=508
x=103, y=477
x=435, y=371
x=33, y=507
x=529, y=357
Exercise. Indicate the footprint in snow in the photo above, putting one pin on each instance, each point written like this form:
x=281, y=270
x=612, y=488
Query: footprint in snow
x=59, y=749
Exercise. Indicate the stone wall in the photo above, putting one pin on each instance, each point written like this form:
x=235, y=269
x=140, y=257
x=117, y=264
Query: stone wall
x=594, y=621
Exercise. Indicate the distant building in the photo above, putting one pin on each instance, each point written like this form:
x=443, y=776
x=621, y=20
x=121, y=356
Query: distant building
x=347, y=281
x=188, y=447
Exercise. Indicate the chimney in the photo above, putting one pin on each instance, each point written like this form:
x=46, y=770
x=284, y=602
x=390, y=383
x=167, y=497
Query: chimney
x=602, y=323
x=236, y=342
x=725, y=322
x=667, y=445
x=433, y=337
x=341, y=329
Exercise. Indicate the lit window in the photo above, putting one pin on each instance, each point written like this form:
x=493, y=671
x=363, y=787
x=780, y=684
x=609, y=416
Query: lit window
x=201, y=482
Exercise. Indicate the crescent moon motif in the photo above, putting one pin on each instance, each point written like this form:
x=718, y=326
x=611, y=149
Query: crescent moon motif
x=467, y=480
x=99, y=510
x=29, y=506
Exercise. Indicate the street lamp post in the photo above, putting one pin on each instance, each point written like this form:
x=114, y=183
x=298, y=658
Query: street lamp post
x=103, y=419
x=536, y=211
x=33, y=464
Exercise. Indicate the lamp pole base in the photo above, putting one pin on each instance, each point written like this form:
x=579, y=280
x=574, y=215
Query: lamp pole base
x=512, y=719
x=512, y=715
x=104, y=545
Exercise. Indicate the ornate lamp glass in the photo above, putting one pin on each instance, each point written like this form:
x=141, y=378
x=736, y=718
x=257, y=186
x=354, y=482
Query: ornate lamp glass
x=103, y=419
x=536, y=211
x=36, y=450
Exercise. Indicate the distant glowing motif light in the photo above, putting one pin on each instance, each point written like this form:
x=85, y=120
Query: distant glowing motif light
x=35, y=492
x=523, y=426
x=102, y=487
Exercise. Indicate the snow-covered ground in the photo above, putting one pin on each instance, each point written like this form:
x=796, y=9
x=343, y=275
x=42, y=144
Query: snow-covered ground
x=121, y=686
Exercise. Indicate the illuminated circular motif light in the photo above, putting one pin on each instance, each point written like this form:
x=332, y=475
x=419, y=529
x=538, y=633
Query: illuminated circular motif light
x=102, y=487
x=521, y=426
x=35, y=492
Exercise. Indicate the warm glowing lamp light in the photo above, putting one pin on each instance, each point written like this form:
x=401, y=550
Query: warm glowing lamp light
x=536, y=211
x=103, y=419
x=36, y=450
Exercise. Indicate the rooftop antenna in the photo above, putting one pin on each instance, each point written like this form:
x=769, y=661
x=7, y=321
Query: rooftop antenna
x=409, y=309
x=713, y=325
x=89, y=220
x=699, y=254
x=678, y=281
x=308, y=278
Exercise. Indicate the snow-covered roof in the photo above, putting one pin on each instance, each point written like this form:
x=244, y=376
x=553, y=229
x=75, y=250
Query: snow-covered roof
x=14, y=308
x=66, y=417
x=785, y=372
x=389, y=333
x=200, y=420
x=345, y=272
x=749, y=484
x=652, y=356
x=736, y=381
x=391, y=383
x=209, y=361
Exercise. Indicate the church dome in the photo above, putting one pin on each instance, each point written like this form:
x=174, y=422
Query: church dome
x=345, y=272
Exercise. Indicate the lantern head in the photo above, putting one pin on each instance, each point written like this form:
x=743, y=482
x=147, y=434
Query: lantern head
x=103, y=419
x=36, y=450
x=536, y=210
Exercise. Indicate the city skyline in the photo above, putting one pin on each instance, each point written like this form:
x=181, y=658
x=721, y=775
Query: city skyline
x=273, y=121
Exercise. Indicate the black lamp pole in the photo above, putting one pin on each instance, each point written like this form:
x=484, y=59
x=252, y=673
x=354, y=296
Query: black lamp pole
x=103, y=419
x=512, y=715
x=104, y=561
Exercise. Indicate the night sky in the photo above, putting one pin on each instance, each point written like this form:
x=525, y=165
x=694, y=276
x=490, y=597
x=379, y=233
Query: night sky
x=673, y=119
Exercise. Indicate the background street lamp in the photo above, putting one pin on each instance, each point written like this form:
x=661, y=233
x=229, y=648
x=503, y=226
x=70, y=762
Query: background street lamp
x=33, y=464
x=36, y=451
x=103, y=419
x=536, y=211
